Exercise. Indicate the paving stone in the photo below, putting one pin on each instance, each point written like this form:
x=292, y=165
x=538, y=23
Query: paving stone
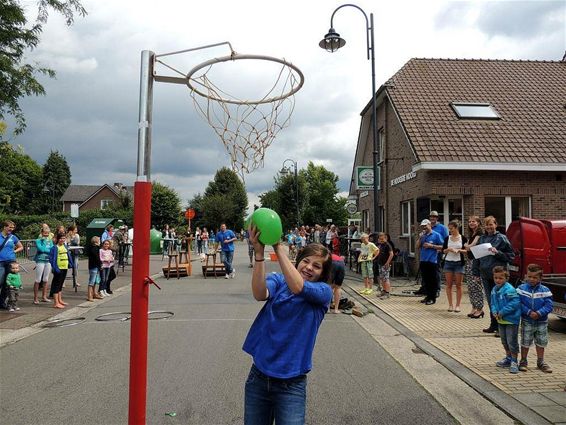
x=534, y=400
x=557, y=396
x=552, y=413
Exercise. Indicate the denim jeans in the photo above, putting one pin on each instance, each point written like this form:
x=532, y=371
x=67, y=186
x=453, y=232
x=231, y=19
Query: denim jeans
x=105, y=272
x=228, y=257
x=488, y=285
x=509, y=335
x=3, y=288
x=271, y=399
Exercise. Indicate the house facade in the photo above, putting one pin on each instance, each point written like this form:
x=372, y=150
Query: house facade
x=89, y=197
x=465, y=137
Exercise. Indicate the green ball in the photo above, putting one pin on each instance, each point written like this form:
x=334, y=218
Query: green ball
x=269, y=224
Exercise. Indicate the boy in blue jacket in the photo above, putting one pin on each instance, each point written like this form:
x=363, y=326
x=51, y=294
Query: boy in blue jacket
x=506, y=308
x=536, y=303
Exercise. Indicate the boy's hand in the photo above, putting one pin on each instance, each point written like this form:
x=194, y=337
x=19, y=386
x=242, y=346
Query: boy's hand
x=534, y=315
x=254, y=239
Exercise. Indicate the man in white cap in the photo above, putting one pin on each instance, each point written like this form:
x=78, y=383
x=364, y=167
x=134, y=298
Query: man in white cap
x=442, y=230
x=429, y=243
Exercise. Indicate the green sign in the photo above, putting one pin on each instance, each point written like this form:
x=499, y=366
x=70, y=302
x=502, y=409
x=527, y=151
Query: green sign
x=364, y=177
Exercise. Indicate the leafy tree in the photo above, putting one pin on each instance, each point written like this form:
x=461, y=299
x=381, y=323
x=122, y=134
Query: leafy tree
x=229, y=194
x=318, y=197
x=17, y=78
x=323, y=200
x=20, y=181
x=165, y=206
x=56, y=179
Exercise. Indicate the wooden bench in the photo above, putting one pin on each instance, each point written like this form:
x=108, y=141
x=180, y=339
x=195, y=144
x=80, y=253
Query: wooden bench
x=211, y=267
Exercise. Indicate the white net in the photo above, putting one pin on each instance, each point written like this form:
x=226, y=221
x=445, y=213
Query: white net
x=246, y=127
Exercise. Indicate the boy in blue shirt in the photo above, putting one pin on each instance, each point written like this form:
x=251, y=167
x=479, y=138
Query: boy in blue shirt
x=536, y=303
x=506, y=308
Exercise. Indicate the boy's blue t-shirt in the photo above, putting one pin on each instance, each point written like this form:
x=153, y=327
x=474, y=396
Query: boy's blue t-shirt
x=281, y=339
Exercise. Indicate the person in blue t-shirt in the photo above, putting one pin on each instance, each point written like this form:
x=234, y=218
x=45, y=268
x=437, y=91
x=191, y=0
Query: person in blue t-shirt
x=429, y=242
x=226, y=238
x=10, y=245
x=442, y=230
x=281, y=339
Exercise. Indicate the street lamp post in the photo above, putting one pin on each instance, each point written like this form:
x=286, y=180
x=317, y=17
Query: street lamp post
x=284, y=171
x=332, y=42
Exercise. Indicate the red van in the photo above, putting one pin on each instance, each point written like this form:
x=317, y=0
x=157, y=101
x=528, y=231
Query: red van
x=542, y=242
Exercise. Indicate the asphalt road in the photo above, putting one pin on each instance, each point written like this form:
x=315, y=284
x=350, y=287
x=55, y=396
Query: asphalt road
x=196, y=368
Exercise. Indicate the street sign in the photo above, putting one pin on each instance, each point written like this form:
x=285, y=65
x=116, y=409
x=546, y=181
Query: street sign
x=329, y=220
x=352, y=208
x=190, y=213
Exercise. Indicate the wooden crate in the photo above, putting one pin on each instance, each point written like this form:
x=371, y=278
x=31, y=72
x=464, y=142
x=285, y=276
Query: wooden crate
x=211, y=270
x=185, y=269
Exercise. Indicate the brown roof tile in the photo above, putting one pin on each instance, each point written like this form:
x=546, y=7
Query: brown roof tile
x=529, y=96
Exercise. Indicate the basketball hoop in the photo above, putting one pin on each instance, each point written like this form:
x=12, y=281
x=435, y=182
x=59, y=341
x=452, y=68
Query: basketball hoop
x=246, y=127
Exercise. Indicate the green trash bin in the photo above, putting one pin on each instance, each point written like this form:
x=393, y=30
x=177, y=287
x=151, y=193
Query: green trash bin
x=155, y=242
x=98, y=226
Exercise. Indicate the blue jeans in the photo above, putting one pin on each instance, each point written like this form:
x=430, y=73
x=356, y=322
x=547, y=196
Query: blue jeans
x=271, y=399
x=3, y=288
x=509, y=335
x=105, y=272
x=228, y=257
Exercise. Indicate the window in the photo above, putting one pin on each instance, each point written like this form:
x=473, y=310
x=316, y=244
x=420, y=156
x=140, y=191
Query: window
x=475, y=111
x=448, y=209
x=505, y=209
x=105, y=203
x=406, y=218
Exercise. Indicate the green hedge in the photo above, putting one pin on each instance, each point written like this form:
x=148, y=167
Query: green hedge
x=28, y=226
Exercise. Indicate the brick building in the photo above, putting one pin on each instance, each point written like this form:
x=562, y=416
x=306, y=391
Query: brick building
x=465, y=137
x=89, y=197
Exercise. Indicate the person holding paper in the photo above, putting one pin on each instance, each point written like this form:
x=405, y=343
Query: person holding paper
x=502, y=255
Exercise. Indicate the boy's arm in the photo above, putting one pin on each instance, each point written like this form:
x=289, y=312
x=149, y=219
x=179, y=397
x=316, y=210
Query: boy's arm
x=293, y=278
x=512, y=305
x=259, y=287
x=547, y=306
x=493, y=306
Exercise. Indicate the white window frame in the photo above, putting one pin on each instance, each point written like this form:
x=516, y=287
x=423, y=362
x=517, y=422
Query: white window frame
x=105, y=203
x=509, y=209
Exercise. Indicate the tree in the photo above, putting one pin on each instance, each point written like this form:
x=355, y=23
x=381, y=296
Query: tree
x=165, y=206
x=20, y=181
x=318, y=200
x=56, y=179
x=228, y=193
x=18, y=79
x=323, y=202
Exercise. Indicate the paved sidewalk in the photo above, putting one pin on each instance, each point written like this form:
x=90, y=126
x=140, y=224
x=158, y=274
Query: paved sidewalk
x=462, y=339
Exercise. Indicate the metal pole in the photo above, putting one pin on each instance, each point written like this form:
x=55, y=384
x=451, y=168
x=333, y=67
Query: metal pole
x=141, y=245
x=297, y=193
x=376, y=175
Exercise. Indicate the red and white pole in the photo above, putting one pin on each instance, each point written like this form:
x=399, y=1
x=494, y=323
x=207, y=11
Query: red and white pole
x=141, y=246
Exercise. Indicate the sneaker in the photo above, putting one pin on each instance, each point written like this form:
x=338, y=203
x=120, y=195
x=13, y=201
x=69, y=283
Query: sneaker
x=369, y=292
x=104, y=293
x=17, y=309
x=363, y=291
x=513, y=367
x=544, y=367
x=384, y=296
x=251, y=266
x=226, y=276
x=11, y=310
x=523, y=366
x=233, y=274
x=506, y=362
x=109, y=292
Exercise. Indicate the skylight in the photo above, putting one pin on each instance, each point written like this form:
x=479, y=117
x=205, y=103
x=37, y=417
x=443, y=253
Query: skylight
x=475, y=111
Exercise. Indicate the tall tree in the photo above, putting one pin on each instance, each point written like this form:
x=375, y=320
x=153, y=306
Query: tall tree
x=56, y=180
x=20, y=181
x=229, y=193
x=17, y=78
x=165, y=206
x=318, y=197
x=324, y=202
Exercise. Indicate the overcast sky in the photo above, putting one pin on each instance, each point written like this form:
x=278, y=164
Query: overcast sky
x=90, y=112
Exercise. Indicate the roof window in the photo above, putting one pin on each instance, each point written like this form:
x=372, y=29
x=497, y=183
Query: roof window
x=475, y=111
